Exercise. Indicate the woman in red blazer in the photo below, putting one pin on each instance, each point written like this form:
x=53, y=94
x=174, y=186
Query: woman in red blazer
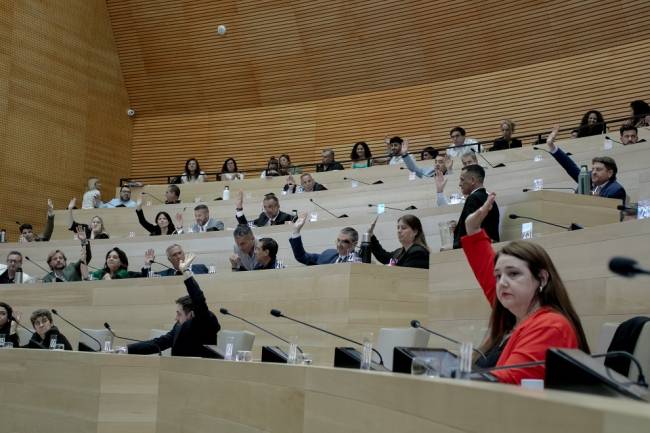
x=531, y=309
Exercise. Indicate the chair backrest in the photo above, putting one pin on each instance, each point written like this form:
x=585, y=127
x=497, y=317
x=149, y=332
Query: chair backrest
x=155, y=333
x=102, y=335
x=389, y=338
x=642, y=353
x=605, y=338
x=241, y=340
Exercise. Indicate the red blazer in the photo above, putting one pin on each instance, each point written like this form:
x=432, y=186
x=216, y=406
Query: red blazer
x=530, y=339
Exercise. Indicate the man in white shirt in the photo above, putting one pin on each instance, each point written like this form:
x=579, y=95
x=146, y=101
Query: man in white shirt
x=460, y=144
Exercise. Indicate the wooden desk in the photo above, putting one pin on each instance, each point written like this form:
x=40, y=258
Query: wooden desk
x=63, y=392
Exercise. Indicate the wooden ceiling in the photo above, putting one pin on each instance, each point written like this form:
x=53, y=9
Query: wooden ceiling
x=187, y=83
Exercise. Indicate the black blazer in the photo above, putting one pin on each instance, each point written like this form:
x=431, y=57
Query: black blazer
x=415, y=257
x=186, y=339
x=36, y=342
x=501, y=144
x=73, y=228
x=153, y=229
x=262, y=220
x=491, y=223
x=329, y=167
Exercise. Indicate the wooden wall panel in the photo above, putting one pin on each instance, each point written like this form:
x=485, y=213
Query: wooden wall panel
x=62, y=106
x=299, y=75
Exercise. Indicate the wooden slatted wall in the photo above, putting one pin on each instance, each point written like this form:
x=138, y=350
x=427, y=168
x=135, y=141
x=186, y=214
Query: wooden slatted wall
x=62, y=106
x=298, y=76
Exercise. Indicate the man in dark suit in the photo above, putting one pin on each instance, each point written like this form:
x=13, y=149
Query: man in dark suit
x=471, y=185
x=271, y=216
x=346, y=241
x=195, y=324
x=309, y=184
x=603, y=170
x=328, y=162
x=176, y=256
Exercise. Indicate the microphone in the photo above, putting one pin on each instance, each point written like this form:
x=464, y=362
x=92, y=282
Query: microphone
x=107, y=326
x=484, y=373
x=225, y=312
x=411, y=207
x=278, y=313
x=18, y=223
x=164, y=265
x=378, y=182
x=56, y=313
x=37, y=265
x=28, y=330
x=572, y=227
x=416, y=324
x=544, y=189
x=153, y=196
x=623, y=207
x=544, y=150
x=626, y=267
x=486, y=160
x=620, y=353
x=328, y=211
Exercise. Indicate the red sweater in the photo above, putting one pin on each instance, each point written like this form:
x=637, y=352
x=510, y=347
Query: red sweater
x=530, y=339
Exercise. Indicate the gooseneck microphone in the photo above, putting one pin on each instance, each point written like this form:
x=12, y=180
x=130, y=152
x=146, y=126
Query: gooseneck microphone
x=626, y=267
x=225, y=312
x=622, y=354
x=554, y=189
x=153, y=196
x=28, y=330
x=328, y=211
x=572, y=227
x=486, y=160
x=484, y=373
x=163, y=265
x=411, y=207
x=416, y=324
x=278, y=313
x=37, y=265
x=56, y=313
x=108, y=326
x=377, y=182
x=544, y=150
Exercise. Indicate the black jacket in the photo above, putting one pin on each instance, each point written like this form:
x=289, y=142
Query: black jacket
x=9, y=337
x=262, y=220
x=491, y=223
x=416, y=256
x=329, y=167
x=153, y=229
x=36, y=342
x=186, y=339
x=502, y=144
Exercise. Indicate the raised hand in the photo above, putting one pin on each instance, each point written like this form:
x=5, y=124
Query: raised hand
x=149, y=256
x=183, y=265
x=441, y=181
x=300, y=222
x=81, y=234
x=550, y=140
x=449, y=163
x=475, y=219
x=405, y=147
x=371, y=230
x=50, y=207
x=73, y=203
x=179, y=219
x=239, y=200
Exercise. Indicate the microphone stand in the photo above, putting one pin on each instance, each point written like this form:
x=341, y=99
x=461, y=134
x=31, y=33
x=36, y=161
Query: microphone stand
x=28, y=330
x=326, y=210
x=37, y=265
x=572, y=227
x=77, y=328
x=107, y=326
x=486, y=160
x=228, y=313
x=416, y=324
x=153, y=196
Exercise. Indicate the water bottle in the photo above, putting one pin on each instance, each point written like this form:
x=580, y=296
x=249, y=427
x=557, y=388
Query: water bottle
x=2, y=340
x=465, y=362
x=366, y=353
x=364, y=251
x=53, y=342
x=226, y=193
x=230, y=346
x=3, y=236
x=584, y=181
x=292, y=354
x=18, y=278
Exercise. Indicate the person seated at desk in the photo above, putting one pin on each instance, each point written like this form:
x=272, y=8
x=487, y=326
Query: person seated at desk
x=124, y=200
x=176, y=256
x=592, y=123
x=271, y=216
x=116, y=267
x=346, y=242
x=203, y=222
x=414, y=252
x=361, y=155
x=471, y=186
x=8, y=324
x=243, y=257
x=290, y=186
x=164, y=224
x=27, y=230
x=58, y=263
x=92, y=197
x=531, y=309
x=506, y=141
x=266, y=251
x=195, y=324
x=460, y=144
x=328, y=162
x=192, y=172
x=629, y=134
x=14, y=266
x=308, y=184
x=229, y=170
x=603, y=170
x=272, y=168
x=286, y=167
x=172, y=194
x=93, y=231
x=428, y=153
x=47, y=336
x=393, y=146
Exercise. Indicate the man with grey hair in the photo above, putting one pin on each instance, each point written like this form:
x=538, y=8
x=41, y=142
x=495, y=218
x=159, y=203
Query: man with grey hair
x=329, y=164
x=243, y=257
x=175, y=255
x=346, y=242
